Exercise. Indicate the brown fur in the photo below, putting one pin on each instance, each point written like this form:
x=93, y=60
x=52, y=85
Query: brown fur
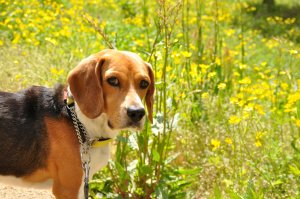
x=64, y=164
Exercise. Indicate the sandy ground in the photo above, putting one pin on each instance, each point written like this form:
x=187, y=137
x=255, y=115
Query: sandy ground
x=10, y=192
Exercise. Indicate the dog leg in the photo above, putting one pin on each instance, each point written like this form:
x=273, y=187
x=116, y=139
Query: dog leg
x=68, y=183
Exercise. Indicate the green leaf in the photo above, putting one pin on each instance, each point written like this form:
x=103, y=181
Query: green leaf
x=144, y=170
x=161, y=193
x=250, y=192
x=233, y=195
x=294, y=170
x=217, y=192
x=277, y=182
x=156, y=156
x=189, y=171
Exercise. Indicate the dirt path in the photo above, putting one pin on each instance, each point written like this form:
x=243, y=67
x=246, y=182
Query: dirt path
x=10, y=192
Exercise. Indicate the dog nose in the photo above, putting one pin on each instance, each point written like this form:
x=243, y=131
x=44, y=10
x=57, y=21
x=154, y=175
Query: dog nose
x=135, y=113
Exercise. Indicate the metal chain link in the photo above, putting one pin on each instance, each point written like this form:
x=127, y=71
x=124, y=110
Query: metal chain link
x=75, y=123
x=84, y=148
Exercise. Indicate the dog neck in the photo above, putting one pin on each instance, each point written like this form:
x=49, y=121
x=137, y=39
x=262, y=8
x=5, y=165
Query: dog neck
x=95, y=128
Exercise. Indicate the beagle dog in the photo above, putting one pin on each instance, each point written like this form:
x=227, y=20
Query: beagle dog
x=38, y=142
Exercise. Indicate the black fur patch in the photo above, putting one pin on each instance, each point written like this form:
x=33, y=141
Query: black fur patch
x=24, y=144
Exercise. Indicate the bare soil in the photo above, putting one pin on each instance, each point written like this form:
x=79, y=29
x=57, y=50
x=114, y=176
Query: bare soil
x=11, y=192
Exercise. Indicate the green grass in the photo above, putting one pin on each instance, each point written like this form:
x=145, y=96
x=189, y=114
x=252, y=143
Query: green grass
x=227, y=104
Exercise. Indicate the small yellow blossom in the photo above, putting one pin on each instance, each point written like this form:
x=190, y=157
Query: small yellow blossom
x=51, y=40
x=258, y=138
x=263, y=64
x=221, y=86
x=204, y=95
x=297, y=122
x=204, y=68
x=218, y=61
x=236, y=74
x=258, y=143
x=290, y=21
x=249, y=107
x=168, y=68
x=259, y=109
x=246, y=115
x=242, y=66
x=229, y=32
x=246, y=80
x=228, y=141
x=259, y=135
x=57, y=72
x=282, y=73
x=215, y=144
x=211, y=74
x=293, y=52
x=233, y=119
x=18, y=76
x=284, y=86
x=17, y=38
x=186, y=54
x=234, y=100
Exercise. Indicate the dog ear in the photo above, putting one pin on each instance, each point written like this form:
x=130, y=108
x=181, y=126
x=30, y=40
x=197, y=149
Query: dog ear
x=150, y=93
x=85, y=84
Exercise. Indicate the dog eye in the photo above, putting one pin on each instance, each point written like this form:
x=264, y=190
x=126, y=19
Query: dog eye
x=144, y=84
x=113, y=81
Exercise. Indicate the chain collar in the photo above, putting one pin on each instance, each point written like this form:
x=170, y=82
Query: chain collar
x=85, y=141
x=81, y=131
x=85, y=145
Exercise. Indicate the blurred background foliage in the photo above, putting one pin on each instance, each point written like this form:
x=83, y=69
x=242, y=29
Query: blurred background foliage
x=227, y=105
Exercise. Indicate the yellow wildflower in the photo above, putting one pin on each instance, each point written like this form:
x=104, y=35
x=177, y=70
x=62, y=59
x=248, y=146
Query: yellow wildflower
x=186, y=54
x=229, y=32
x=218, y=61
x=259, y=109
x=234, y=100
x=57, y=72
x=221, y=86
x=51, y=40
x=168, y=68
x=215, y=144
x=242, y=66
x=258, y=136
x=246, y=80
x=289, y=21
x=211, y=74
x=297, y=122
x=233, y=119
x=204, y=95
x=17, y=38
x=293, y=52
x=284, y=86
x=204, y=68
x=18, y=76
x=258, y=143
x=263, y=64
x=228, y=141
x=282, y=73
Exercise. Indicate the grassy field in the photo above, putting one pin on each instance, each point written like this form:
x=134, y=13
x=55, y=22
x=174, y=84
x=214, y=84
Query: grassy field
x=227, y=108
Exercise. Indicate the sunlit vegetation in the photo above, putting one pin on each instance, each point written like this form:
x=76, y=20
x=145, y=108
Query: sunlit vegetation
x=227, y=103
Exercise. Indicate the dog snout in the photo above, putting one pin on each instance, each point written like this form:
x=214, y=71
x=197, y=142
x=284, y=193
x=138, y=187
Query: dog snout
x=135, y=113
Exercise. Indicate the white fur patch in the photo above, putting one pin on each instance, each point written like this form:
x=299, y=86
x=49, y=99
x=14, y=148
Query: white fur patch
x=97, y=127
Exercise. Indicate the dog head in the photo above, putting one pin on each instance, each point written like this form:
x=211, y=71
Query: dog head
x=114, y=83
